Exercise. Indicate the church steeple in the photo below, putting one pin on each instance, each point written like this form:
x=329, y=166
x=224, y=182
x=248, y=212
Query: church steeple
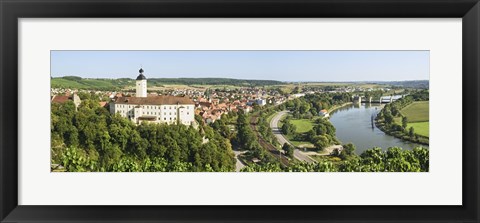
x=141, y=84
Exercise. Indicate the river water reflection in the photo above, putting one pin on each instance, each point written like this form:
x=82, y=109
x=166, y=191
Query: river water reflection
x=354, y=124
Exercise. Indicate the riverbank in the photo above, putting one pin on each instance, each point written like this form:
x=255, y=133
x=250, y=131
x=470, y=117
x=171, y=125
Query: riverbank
x=379, y=123
x=354, y=125
x=339, y=106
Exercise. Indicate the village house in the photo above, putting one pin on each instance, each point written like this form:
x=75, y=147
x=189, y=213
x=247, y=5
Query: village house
x=64, y=98
x=323, y=113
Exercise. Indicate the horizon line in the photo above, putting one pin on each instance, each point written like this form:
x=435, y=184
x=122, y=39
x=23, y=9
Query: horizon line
x=338, y=81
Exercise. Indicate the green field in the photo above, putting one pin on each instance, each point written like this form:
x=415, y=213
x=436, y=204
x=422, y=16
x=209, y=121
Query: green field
x=417, y=111
x=421, y=128
x=82, y=83
x=417, y=115
x=303, y=125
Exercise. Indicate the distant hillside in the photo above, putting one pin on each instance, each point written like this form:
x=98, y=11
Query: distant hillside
x=419, y=84
x=212, y=81
x=75, y=82
x=91, y=84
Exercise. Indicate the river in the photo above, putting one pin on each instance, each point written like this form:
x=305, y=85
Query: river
x=354, y=124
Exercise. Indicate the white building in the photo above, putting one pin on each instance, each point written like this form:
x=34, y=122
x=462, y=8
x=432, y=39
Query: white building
x=298, y=95
x=258, y=101
x=261, y=102
x=158, y=109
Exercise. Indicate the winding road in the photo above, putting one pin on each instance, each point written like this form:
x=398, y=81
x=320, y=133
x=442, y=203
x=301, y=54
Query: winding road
x=282, y=140
x=238, y=165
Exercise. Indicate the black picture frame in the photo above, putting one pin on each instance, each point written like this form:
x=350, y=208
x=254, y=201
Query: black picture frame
x=11, y=11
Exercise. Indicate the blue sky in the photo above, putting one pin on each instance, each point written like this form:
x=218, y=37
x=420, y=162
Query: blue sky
x=265, y=65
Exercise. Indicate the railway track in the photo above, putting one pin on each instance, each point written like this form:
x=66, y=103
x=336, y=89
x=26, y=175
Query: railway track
x=266, y=145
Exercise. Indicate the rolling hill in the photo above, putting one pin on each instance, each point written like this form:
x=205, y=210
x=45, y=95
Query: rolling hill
x=75, y=82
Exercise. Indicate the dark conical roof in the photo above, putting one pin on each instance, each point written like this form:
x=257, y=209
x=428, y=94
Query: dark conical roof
x=141, y=76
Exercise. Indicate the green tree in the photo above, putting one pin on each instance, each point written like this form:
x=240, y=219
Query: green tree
x=289, y=149
x=349, y=149
x=404, y=122
x=288, y=128
x=321, y=142
x=388, y=118
x=304, y=108
x=411, y=132
x=199, y=119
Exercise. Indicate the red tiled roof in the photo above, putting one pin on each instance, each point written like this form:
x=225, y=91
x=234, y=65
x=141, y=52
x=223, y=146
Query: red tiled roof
x=154, y=100
x=60, y=99
x=102, y=103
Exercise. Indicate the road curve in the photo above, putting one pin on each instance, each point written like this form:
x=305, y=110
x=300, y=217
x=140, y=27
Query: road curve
x=276, y=131
x=282, y=140
x=238, y=165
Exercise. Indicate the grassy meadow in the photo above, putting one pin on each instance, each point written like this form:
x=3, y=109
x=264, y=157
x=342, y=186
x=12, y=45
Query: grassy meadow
x=421, y=128
x=418, y=111
x=417, y=115
x=302, y=126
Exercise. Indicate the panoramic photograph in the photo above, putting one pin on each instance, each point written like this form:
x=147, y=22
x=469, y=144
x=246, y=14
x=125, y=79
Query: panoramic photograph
x=239, y=111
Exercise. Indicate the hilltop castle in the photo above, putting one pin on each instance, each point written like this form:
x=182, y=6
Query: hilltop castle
x=158, y=109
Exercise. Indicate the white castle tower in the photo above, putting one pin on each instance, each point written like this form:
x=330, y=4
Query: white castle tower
x=141, y=85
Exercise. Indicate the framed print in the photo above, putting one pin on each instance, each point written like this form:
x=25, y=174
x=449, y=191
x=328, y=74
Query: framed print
x=201, y=111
